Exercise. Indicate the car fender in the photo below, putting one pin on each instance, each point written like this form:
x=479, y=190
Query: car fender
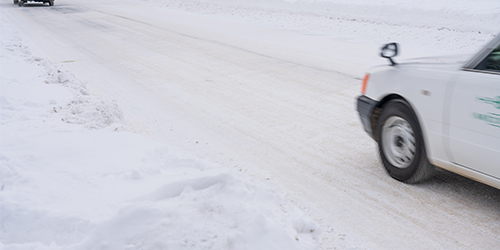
x=424, y=89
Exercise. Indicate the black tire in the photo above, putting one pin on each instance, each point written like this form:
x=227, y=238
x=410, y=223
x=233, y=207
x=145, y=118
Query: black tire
x=401, y=144
x=51, y=3
x=16, y=1
x=21, y=3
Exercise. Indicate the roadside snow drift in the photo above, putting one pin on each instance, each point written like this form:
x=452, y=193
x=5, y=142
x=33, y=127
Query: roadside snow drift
x=72, y=177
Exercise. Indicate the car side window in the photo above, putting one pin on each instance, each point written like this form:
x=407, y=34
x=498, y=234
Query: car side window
x=491, y=62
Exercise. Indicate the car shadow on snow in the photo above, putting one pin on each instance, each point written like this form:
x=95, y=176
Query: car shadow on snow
x=61, y=8
x=453, y=185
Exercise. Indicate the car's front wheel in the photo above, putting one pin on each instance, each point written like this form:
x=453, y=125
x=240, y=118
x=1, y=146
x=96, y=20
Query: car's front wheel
x=401, y=143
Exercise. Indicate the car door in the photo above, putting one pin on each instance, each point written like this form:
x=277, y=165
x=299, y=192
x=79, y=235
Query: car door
x=474, y=116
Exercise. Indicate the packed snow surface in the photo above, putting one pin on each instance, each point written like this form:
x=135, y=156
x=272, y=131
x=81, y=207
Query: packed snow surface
x=73, y=177
x=209, y=124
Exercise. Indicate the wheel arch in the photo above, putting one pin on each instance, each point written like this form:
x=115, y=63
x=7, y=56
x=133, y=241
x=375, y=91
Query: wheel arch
x=382, y=103
x=378, y=110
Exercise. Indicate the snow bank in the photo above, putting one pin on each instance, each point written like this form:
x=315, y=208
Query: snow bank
x=73, y=177
x=449, y=25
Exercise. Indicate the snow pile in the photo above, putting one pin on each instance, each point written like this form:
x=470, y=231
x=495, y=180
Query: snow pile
x=73, y=177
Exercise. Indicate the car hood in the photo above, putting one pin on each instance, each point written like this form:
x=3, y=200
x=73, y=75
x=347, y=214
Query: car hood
x=455, y=59
x=441, y=63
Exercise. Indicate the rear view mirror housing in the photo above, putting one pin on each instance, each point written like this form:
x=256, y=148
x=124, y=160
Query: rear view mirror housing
x=389, y=51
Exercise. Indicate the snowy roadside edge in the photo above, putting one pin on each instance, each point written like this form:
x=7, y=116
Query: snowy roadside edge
x=94, y=114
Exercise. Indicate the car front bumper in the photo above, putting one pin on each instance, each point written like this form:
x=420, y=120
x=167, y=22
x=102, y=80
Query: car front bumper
x=365, y=107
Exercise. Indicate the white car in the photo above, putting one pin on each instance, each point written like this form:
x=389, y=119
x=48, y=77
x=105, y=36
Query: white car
x=436, y=112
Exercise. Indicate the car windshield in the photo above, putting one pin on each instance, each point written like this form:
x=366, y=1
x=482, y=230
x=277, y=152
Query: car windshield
x=491, y=62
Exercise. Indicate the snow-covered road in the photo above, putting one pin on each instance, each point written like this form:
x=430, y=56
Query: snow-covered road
x=275, y=102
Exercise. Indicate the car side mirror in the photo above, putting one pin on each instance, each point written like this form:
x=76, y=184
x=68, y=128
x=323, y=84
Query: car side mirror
x=389, y=51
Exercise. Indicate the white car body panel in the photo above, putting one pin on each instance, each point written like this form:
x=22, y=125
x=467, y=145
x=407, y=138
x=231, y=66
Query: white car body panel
x=474, y=122
x=458, y=109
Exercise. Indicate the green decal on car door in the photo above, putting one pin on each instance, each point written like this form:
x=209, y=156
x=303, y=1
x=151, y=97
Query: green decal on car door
x=495, y=101
x=492, y=119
